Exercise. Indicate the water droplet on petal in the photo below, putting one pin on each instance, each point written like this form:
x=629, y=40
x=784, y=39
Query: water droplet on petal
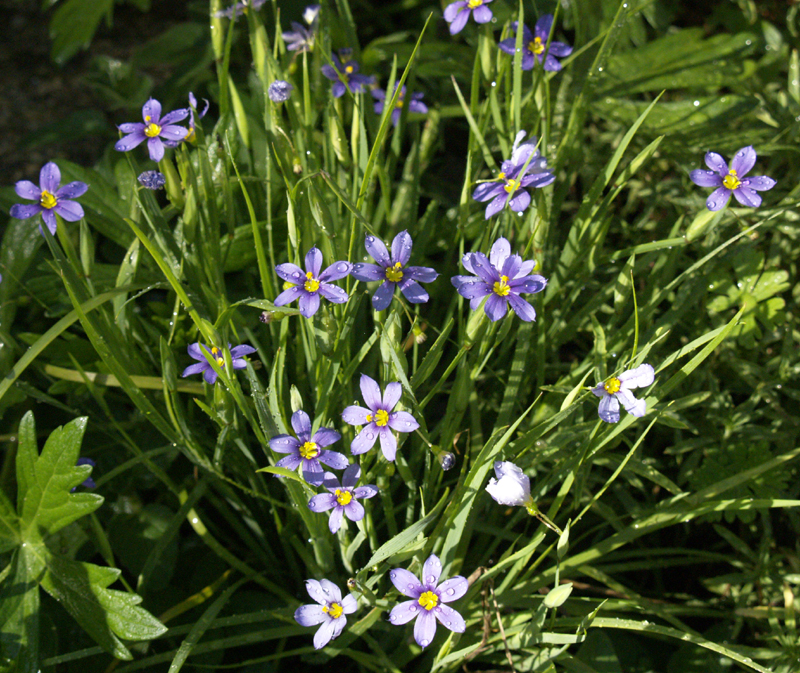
x=424, y=643
x=451, y=592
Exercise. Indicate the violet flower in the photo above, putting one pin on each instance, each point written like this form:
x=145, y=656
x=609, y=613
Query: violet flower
x=618, y=389
x=457, y=13
x=308, y=286
x=731, y=180
x=154, y=128
x=415, y=104
x=152, y=180
x=501, y=278
x=509, y=186
x=348, y=71
x=51, y=199
x=307, y=450
x=88, y=482
x=279, y=91
x=342, y=498
x=393, y=271
x=379, y=420
x=330, y=611
x=239, y=8
x=209, y=375
x=301, y=39
x=428, y=600
x=512, y=486
x=534, y=44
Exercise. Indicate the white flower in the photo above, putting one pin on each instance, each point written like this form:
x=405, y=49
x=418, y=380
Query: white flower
x=512, y=486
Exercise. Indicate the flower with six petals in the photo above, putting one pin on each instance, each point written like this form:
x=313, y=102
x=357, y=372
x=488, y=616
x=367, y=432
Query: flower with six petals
x=154, y=128
x=379, y=420
x=308, y=286
x=428, y=599
x=457, y=13
x=392, y=270
x=534, y=44
x=308, y=451
x=52, y=200
x=330, y=611
x=209, y=375
x=301, y=39
x=501, y=278
x=342, y=498
x=617, y=389
x=731, y=180
x=345, y=76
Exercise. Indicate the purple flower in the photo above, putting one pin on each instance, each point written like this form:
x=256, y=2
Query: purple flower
x=428, y=600
x=343, y=498
x=393, y=272
x=239, y=8
x=379, y=420
x=88, y=482
x=457, y=13
x=154, y=128
x=308, y=286
x=279, y=91
x=618, y=389
x=729, y=181
x=501, y=278
x=51, y=199
x=347, y=71
x=330, y=611
x=152, y=180
x=301, y=39
x=534, y=43
x=209, y=374
x=191, y=137
x=416, y=104
x=308, y=450
x=508, y=187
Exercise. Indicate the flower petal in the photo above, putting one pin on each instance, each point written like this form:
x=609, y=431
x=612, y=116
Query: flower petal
x=495, y=307
x=371, y=392
x=450, y=619
x=551, y=64
x=364, y=440
x=291, y=273
x=156, y=149
x=301, y=424
x=401, y=248
x=470, y=286
x=354, y=415
x=743, y=161
x=72, y=190
x=377, y=249
x=391, y=396
x=487, y=190
x=240, y=350
x=431, y=571
x=195, y=369
x=640, y=377
x=50, y=220
x=325, y=437
x=716, y=163
x=333, y=293
x=413, y=291
x=308, y=304
x=288, y=296
x=280, y=443
x=290, y=463
x=453, y=9
x=760, y=183
x=425, y=628
x=27, y=190
x=313, y=261
x=309, y=615
x=72, y=211
x=336, y=271
x=529, y=285
x=388, y=443
x=459, y=21
x=422, y=274
x=718, y=198
x=366, y=491
x=521, y=307
x=351, y=475
x=151, y=111
x=402, y=421
x=608, y=409
x=127, y=143
x=404, y=612
x=314, y=589
x=367, y=272
x=747, y=197
x=349, y=604
x=324, y=633
x=23, y=211
x=633, y=406
x=49, y=177
x=333, y=459
x=496, y=205
x=383, y=296
x=322, y=502
x=560, y=49
x=354, y=511
x=335, y=519
x=482, y=14
x=453, y=589
x=406, y=583
x=174, y=133
x=705, y=178
x=543, y=27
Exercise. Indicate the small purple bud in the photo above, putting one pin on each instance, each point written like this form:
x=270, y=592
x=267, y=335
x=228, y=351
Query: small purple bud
x=152, y=180
x=279, y=91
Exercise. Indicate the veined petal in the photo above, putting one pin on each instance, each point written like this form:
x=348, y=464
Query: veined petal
x=747, y=197
x=431, y=571
x=529, y=285
x=422, y=274
x=388, y=443
x=335, y=519
x=608, y=409
x=485, y=270
x=312, y=471
x=633, y=406
x=367, y=272
x=354, y=510
x=371, y=392
x=332, y=592
x=309, y=615
x=495, y=205
x=333, y=293
x=718, y=198
x=366, y=491
x=404, y=612
x=291, y=273
x=71, y=191
x=640, y=377
x=391, y=396
x=705, y=178
x=333, y=459
x=521, y=307
x=401, y=248
x=406, y=583
x=364, y=440
x=402, y=421
x=281, y=443
x=425, y=628
x=301, y=424
x=325, y=633
x=72, y=211
x=288, y=296
x=354, y=415
x=156, y=149
x=383, y=296
x=49, y=177
x=291, y=462
x=313, y=261
x=449, y=618
x=325, y=437
x=743, y=161
x=378, y=251
x=241, y=349
x=351, y=475
x=27, y=190
x=322, y=502
x=308, y=304
x=501, y=249
x=195, y=369
x=716, y=163
x=760, y=183
x=471, y=287
x=510, y=267
x=413, y=291
x=50, y=220
x=127, y=143
x=495, y=307
x=487, y=190
x=336, y=271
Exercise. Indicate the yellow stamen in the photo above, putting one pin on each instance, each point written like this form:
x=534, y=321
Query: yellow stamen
x=501, y=176
x=731, y=181
x=343, y=497
x=511, y=186
x=152, y=130
x=190, y=137
x=214, y=351
x=47, y=200
x=428, y=600
x=399, y=102
x=348, y=69
x=501, y=288
x=536, y=46
x=472, y=4
x=394, y=274
x=612, y=385
x=309, y=450
x=334, y=610
x=381, y=418
x=312, y=284
x=220, y=361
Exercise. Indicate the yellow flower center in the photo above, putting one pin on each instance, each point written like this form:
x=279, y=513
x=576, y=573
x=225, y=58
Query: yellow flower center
x=428, y=600
x=152, y=130
x=381, y=418
x=221, y=361
x=399, y=102
x=343, y=497
x=191, y=137
x=536, y=46
x=348, y=69
x=612, y=385
x=511, y=186
x=394, y=274
x=309, y=450
x=731, y=181
x=335, y=610
x=501, y=176
x=501, y=288
x=311, y=284
x=47, y=200
x=472, y=4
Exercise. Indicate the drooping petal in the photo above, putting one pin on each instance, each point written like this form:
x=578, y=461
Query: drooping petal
x=599, y=390
x=27, y=190
x=431, y=571
x=291, y=273
x=404, y=612
x=760, y=183
x=406, y=583
x=747, y=197
x=335, y=519
x=308, y=304
x=364, y=440
x=485, y=270
x=333, y=293
x=309, y=615
x=49, y=177
x=450, y=619
x=383, y=296
x=705, y=178
x=338, y=626
x=71, y=211
x=487, y=190
x=459, y=21
x=388, y=443
x=402, y=421
x=23, y=211
x=354, y=415
x=377, y=249
x=718, y=198
x=508, y=45
x=156, y=149
x=743, y=161
x=425, y=628
x=482, y=14
x=313, y=261
x=608, y=409
x=325, y=437
x=633, y=406
x=72, y=190
x=716, y=163
x=312, y=471
x=511, y=266
x=351, y=475
x=336, y=271
x=521, y=307
x=354, y=510
x=322, y=502
x=368, y=272
x=288, y=296
x=127, y=143
x=401, y=248
x=324, y=633
x=495, y=307
x=413, y=291
x=333, y=459
x=640, y=377
x=551, y=64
